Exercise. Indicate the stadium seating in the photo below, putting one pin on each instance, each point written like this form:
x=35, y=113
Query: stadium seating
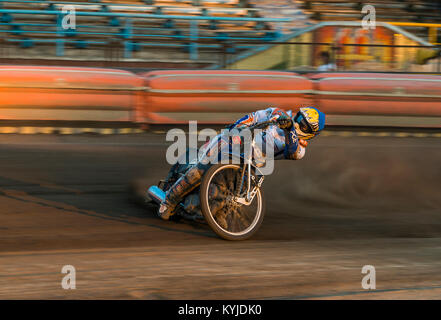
x=163, y=26
x=195, y=31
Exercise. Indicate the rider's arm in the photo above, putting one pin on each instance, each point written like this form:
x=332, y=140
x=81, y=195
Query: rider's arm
x=269, y=114
x=294, y=147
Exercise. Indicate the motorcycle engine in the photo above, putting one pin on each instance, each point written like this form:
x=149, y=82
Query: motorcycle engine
x=192, y=203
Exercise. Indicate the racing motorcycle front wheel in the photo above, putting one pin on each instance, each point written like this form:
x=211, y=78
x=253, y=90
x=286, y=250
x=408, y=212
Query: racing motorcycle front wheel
x=228, y=218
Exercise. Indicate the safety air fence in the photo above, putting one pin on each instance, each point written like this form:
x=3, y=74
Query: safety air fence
x=208, y=96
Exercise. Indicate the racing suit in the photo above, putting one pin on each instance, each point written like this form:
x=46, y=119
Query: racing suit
x=284, y=141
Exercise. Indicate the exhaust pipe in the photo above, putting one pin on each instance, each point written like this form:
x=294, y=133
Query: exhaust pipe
x=156, y=194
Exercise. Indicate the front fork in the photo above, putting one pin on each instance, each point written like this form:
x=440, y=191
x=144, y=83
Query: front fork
x=250, y=193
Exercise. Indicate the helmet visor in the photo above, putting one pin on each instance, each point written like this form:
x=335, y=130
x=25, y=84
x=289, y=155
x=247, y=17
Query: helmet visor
x=303, y=124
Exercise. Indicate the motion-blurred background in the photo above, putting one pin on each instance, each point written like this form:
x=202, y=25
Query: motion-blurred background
x=233, y=34
x=88, y=90
x=372, y=58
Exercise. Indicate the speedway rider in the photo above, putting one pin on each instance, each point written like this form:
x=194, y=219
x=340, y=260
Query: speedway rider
x=289, y=132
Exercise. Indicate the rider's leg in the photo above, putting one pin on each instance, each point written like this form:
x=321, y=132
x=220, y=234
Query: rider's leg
x=183, y=186
x=189, y=181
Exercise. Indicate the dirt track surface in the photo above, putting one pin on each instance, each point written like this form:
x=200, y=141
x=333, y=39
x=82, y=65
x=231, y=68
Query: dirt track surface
x=353, y=201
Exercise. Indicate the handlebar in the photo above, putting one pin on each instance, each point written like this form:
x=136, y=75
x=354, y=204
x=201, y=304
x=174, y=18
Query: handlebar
x=262, y=125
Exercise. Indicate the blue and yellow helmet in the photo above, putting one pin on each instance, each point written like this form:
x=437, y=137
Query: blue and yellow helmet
x=309, y=121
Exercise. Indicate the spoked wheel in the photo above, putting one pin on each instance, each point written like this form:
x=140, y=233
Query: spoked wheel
x=229, y=219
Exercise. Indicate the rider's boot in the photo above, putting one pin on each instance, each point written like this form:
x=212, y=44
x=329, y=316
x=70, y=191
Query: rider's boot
x=166, y=210
x=183, y=186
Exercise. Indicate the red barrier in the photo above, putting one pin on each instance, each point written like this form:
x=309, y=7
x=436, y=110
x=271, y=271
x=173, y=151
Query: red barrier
x=212, y=96
x=57, y=93
x=220, y=95
x=378, y=94
x=223, y=95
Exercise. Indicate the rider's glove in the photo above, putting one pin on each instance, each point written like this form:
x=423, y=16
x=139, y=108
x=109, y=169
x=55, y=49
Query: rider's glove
x=285, y=123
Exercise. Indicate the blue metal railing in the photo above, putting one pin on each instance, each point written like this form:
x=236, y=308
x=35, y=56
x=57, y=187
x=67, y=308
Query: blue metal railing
x=98, y=2
x=128, y=32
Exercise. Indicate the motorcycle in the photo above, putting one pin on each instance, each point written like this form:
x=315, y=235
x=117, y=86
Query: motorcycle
x=229, y=199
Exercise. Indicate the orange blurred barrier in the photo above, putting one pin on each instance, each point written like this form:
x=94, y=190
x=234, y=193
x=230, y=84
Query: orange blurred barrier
x=378, y=94
x=62, y=93
x=210, y=96
x=220, y=96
